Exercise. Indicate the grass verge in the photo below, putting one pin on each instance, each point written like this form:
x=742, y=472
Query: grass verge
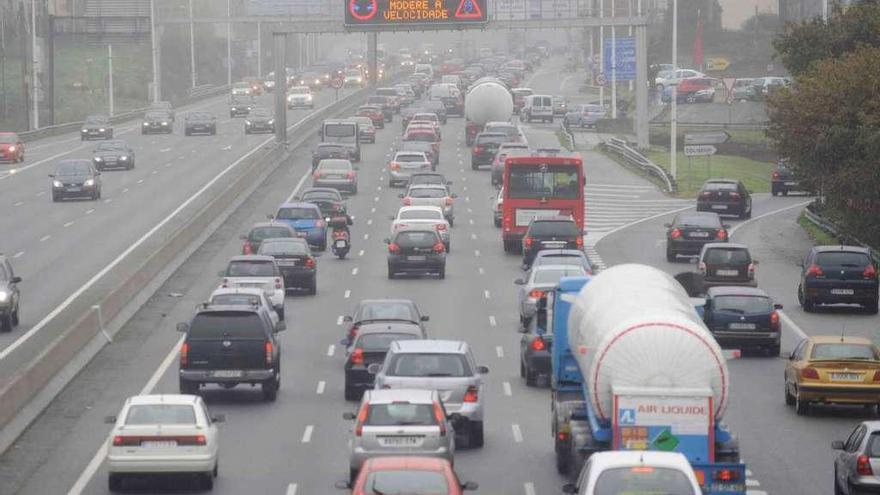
x=692, y=172
x=819, y=236
x=564, y=140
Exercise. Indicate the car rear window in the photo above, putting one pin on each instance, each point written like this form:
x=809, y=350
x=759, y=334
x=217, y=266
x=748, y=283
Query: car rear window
x=385, y=311
x=425, y=179
x=409, y=158
x=427, y=192
x=380, y=342
x=706, y=221
x=320, y=195
x=425, y=137
x=843, y=351
x=552, y=276
x=643, y=480
x=261, y=233
x=250, y=268
x=235, y=300
x=720, y=186
x=160, y=414
x=491, y=138
x=227, y=325
x=400, y=414
x=292, y=247
x=406, y=481
x=429, y=365
x=334, y=165
x=417, y=238
x=842, y=258
x=744, y=305
x=552, y=228
x=873, y=449
x=722, y=256
x=298, y=213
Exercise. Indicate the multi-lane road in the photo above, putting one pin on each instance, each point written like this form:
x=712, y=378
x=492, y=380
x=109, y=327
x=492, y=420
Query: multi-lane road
x=299, y=443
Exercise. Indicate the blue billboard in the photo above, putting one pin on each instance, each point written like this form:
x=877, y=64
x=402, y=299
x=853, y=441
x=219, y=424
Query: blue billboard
x=624, y=59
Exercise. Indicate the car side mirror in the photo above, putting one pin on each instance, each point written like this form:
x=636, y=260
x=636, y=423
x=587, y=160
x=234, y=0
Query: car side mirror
x=350, y=416
x=374, y=368
x=483, y=370
x=347, y=318
x=183, y=327
x=667, y=225
x=52, y=175
x=346, y=342
x=449, y=183
x=218, y=418
x=97, y=173
x=15, y=280
x=520, y=281
x=425, y=318
x=392, y=217
x=386, y=240
x=342, y=485
x=725, y=225
x=777, y=306
x=270, y=216
x=110, y=420
x=569, y=488
x=400, y=196
x=837, y=445
x=280, y=327
x=470, y=486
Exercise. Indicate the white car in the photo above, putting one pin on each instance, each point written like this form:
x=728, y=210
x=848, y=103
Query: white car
x=242, y=296
x=257, y=272
x=408, y=216
x=665, y=78
x=300, y=97
x=497, y=206
x=157, y=434
x=642, y=471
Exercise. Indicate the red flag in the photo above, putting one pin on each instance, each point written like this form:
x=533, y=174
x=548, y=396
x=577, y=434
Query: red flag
x=698, y=43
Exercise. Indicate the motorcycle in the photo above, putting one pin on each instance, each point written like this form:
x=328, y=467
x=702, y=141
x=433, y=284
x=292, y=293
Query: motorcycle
x=341, y=237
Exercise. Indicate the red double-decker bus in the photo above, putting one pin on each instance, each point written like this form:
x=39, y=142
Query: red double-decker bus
x=540, y=185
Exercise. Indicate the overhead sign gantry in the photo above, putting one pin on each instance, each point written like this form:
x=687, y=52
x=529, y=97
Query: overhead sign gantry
x=406, y=15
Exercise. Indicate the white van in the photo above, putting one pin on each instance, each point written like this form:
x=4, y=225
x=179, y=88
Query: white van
x=537, y=107
x=424, y=69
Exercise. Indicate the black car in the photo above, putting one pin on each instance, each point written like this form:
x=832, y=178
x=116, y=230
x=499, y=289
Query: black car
x=260, y=120
x=75, y=178
x=384, y=311
x=437, y=107
x=743, y=318
x=158, y=121
x=725, y=197
x=838, y=275
x=200, y=123
x=327, y=151
x=690, y=231
x=416, y=250
x=240, y=106
x=10, y=301
x=383, y=103
x=727, y=263
x=782, y=180
x=96, y=127
x=229, y=346
x=295, y=260
x=328, y=199
x=113, y=154
x=369, y=346
x=485, y=147
x=164, y=107
x=550, y=233
x=534, y=346
x=454, y=105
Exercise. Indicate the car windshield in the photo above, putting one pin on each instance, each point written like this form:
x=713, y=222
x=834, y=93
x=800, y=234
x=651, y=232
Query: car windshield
x=260, y=233
x=386, y=311
x=217, y=325
x=250, y=268
x=409, y=158
x=110, y=147
x=298, y=213
x=836, y=351
x=96, y=119
x=380, y=342
x=235, y=300
x=539, y=181
x=416, y=238
x=425, y=137
x=334, y=165
x=722, y=256
x=643, y=480
x=285, y=247
x=552, y=275
x=199, y=116
x=707, y=221
x=156, y=116
x=428, y=365
x=68, y=169
x=743, y=304
x=261, y=112
x=427, y=192
x=842, y=258
x=560, y=228
x=400, y=414
x=160, y=414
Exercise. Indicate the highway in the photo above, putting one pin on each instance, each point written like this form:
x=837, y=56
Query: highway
x=298, y=445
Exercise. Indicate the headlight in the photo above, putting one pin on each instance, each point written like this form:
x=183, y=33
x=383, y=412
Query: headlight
x=123, y=158
x=146, y=124
x=84, y=131
x=247, y=122
x=89, y=182
x=101, y=129
x=3, y=296
x=308, y=97
x=317, y=81
x=57, y=183
x=98, y=159
x=271, y=121
x=302, y=81
x=164, y=123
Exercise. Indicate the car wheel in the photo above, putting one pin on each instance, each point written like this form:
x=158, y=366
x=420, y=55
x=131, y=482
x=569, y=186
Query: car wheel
x=805, y=303
x=872, y=308
x=270, y=388
x=280, y=313
x=475, y=434
x=352, y=393
x=448, y=246
x=451, y=222
x=531, y=378
x=522, y=369
x=207, y=481
x=670, y=255
x=352, y=475
x=390, y=273
x=313, y=287
x=188, y=388
x=55, y=198
x=186, y=132
x=474, y=166
x=15, y=318
x=773, y=350
x=497, y=222
x=774, y=192
x=801, y=407
x=789, y=399
x=6, y=323
x=785, y=192
x=115, y=482
x=442, y=273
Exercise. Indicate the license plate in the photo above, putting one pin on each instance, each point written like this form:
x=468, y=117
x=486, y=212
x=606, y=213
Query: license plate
x=842, y=292
x=340, y=244
x=400, y=441
x=790, y=184
x=286, y=262
x=719, y=207
x=227, y=374
x=698, y=234
x=553, y=245
x=416, y=258
x=335, y=176
x=846, y=377
x=74, y=189
x=727, y=273
x=741, y=326
x=158, y=444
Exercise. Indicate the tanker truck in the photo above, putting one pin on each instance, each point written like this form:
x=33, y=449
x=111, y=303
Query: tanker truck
x=633, y=367
x=487, y=100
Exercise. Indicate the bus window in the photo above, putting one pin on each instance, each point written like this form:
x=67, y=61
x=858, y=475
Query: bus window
x=537, y=181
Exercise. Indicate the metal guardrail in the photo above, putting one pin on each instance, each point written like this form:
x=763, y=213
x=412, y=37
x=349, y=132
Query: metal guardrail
x=828, y=226
x=620, y=148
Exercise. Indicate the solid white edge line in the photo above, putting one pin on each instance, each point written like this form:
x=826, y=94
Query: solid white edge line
x=769, y=213
x=529, y=488
x=291, y=489
x=507, y=390
x=321, y=385
x=791, y=325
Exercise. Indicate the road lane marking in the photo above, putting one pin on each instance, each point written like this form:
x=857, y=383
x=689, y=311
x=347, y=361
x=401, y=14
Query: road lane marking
x=90, y=211
x=517, y=433
x=108, y=200
x=373, y=210
x=347, y=294
x=769, y=213
x=307, y=435
x=18, y=254
x=125, y=190
x=45, y=237
x=68, y=224
x=529, y=488
x=340, y=319
x=482, y=272
x=331, y=350
x=477, y=253
x=366, y=236
x=752, y=483
x=376, y=198
x=486, y=294
x=354, y=271
x=507, y=391
x=291, y=489
x=321, y=385
x=499, y=351
x=140, y=181
x=791, y=325
x=41, y=193
x=370, y=221
x=361, y=252
x=474, y=237
x=154, y=172
x=19, y=203
x=492, y=321
x=471, y=221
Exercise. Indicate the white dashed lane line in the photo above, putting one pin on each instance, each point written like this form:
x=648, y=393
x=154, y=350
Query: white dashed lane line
x=291, y=489
x=331, y=350
x=18, y=203
x=340, y=319
x=347, y=294
x=45, y=238
x=529, y=488
x=307, y=434
x=517, y=433
x=507, y=390
x=486, y=294
x=68, y=224
x=492, y=321
x=321, y=385
x=18, y=254
x=354, y=271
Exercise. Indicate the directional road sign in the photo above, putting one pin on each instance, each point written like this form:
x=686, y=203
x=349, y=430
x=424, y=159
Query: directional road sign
x=624, y=58
x=390, y=15
x=706, y=137
x=699, y=150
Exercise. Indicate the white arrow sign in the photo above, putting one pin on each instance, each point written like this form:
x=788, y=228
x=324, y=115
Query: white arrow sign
x=699, y=150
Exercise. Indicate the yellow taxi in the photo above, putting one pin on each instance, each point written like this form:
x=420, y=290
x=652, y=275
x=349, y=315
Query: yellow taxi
x=833, y=370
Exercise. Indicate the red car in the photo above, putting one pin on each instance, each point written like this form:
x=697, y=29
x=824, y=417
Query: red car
x=411, y=474
x=374, y=113
x=11, y=147
x=425, y=135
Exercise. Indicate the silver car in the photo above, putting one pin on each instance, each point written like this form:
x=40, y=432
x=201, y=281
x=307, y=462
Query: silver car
x=406, y=163
x=447, y=366
x=858, y=462
x=431, y=195
x=541, y=279
x=400, y=422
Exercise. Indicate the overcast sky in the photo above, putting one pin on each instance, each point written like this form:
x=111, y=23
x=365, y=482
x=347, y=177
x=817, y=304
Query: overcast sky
x=737, y=11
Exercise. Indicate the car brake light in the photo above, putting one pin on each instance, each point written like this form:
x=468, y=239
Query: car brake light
x=579, y=241
x=121, y=440
x=441, y=418
x=725, y=475
x=702, y=268
x=733, y=195
x=449, y=203
x=810, y=373
x=407, y=201
x=248, y=248
x=310, y=262
x=536, y=293
x=774, y=321
x=394, y=166
x=441, y=226
x=351, y=174
x=269, y=348
x=870, y=272
x=471, y=395
x=225, y=283
x=751, y=270
x=538, y=344
x=184, y=355
x=815, y=271
x=357, y=356
x=316, y=175
x=439, y=247
x=863, y=466
x=393, y=248
x=706, y=195
x=721, y=234
x=361, y=418
x=675, y=233
x=775, y=175
x=527, y=241
x=278, y=283
x=478, y=149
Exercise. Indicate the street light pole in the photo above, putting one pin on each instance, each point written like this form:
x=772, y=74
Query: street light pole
x=110, y=78
x=613, y=65
x=34, y=66
x=154, y=40
x=673, y=116
x=602, y=52
x=192, y=46
x=228, y=43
